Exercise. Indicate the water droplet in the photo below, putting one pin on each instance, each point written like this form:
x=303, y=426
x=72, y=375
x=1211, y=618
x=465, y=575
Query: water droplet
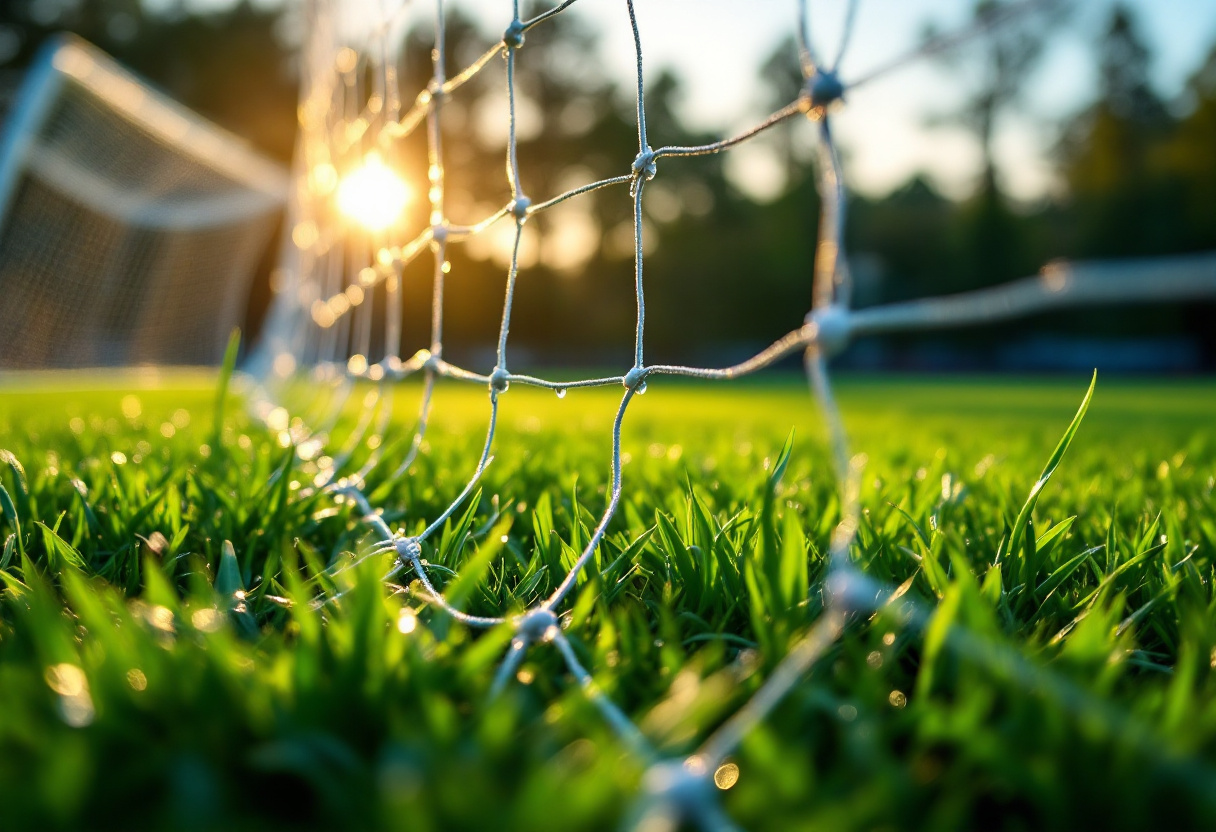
x=726, y=776
x=561, y=392
x=641, y=391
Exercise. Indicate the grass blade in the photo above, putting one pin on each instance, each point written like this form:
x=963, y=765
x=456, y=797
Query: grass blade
x=1018, y=535
x=221, y=390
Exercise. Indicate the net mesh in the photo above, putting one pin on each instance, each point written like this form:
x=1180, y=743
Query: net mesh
x=336, y=325
x=129, y=229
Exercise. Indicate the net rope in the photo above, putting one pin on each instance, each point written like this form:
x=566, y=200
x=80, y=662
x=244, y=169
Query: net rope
x=322, y=332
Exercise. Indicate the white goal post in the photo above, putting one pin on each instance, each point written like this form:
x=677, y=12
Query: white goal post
x=130, y=227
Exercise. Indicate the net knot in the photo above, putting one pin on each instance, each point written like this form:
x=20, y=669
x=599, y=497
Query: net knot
x=439, y=233
x=645, y=166
x=850, y=591
x=830, y=328
x=409, y=549
x=538, y=625
x=635, y=378
x=434, y=92
x=520, y=207
x=393, y=367
x=500, y=380
x=513, y=38
x=427, y=360
x=824, y=89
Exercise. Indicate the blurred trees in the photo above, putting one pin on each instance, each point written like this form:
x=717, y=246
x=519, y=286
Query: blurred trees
x=1191, y=151
x=999, y=61
x=575, y=296
x=1111, y=155
x=232, y=63
x=723, y=272
x=1141, y=174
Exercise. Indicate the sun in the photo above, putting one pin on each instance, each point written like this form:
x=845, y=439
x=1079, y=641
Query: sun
x=373, y=195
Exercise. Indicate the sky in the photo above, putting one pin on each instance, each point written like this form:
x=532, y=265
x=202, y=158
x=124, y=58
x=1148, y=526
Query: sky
x=717, y=46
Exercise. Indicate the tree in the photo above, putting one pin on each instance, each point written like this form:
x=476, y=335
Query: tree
x=1191, y=159
x=1008, y=43
x=1111, y=153
x=230, y=64
x=1007, y=46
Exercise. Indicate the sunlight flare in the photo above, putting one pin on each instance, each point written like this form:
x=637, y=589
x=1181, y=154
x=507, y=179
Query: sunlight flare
x=373, y=195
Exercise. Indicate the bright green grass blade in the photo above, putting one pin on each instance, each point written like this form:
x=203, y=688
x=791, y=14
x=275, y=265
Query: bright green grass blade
x=228, y=576
x=60, y=554
x=221, y=389
x=21, y=483
x=1018, y=535
x=473, y=571
x=13, y=518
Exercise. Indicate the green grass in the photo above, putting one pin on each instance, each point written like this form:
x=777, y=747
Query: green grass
x=1071, y=685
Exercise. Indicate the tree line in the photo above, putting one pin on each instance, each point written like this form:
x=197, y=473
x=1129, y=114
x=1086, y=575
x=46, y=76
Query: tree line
x=723, y=272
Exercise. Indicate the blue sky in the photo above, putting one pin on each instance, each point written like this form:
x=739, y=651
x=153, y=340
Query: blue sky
x=717, y=45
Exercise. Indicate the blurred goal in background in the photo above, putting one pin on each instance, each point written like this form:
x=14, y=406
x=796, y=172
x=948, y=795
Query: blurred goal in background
x=130, y=227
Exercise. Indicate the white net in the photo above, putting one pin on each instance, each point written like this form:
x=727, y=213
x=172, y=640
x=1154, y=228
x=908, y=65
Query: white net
x=337, y=325
x=129, y=228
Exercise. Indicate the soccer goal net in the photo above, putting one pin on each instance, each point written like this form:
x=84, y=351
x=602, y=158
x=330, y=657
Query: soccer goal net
x=335, y=334
x=129, y=227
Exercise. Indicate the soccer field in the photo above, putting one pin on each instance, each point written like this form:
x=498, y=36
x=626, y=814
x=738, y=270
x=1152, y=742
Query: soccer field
x=1066, y=684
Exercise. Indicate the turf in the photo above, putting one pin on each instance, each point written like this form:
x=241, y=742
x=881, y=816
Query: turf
x=153, y=677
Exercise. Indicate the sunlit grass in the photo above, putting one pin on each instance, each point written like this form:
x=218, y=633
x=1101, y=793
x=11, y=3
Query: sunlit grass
x=151, y=676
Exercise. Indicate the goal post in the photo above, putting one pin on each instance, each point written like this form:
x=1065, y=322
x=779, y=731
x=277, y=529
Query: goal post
x=130, y=227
